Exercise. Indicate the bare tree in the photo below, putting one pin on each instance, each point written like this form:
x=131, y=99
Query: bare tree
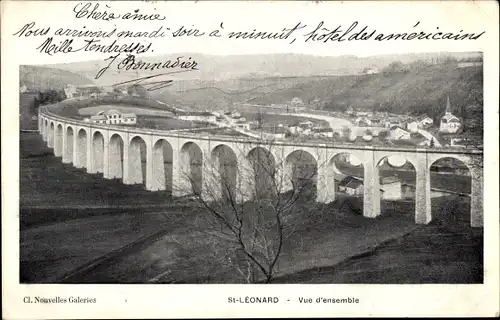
x=248, y=202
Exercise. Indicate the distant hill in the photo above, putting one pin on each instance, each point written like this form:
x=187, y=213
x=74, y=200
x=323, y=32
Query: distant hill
x=414, y=91
x=215, y=95
x=218, y=68
x=38, y=78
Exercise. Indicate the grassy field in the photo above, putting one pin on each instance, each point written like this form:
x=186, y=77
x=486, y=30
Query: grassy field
x=46, y=182
x=167, y=123
x=90, y=111
x=430, y=254
x=326, y=248
x=68, y=217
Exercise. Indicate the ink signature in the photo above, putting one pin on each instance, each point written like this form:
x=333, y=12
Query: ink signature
x=154, y=85
x=133, y=64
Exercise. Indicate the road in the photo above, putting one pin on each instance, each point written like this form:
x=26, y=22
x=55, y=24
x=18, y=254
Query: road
x=429, y=137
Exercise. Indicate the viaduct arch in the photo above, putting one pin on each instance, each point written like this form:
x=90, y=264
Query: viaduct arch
x=179, y=162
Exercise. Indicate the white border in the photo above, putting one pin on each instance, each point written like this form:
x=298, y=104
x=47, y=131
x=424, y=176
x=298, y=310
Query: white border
x=182, y=301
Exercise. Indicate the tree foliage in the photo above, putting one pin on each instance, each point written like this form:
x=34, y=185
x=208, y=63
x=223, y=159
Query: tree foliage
x=49, y=96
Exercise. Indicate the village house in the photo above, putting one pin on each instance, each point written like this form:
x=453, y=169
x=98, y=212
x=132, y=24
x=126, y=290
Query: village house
x=323, y=132
x=351, y=111
x=297, y=104
x=462, y=142
x=363, y=121
x=254, y=125
x=351, y=186
x=235, y=115
x=316, y=103
x=72, y=91
x=120, y=91
x=469, y=64
x=449, y=122
x=412, y=125
x=391, y=122
x=376, y=121
x=425, y=121
x=197, y=116
x=88, y=89
x=113, y=117
x=392, y=188
x=294, y=129
x=306, y=131
x=361, y=131
x=398, y=133
x=373, y=70
x=242, y=124
x=306, y=124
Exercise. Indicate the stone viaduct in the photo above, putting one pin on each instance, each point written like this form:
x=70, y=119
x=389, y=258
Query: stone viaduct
x=136, y=155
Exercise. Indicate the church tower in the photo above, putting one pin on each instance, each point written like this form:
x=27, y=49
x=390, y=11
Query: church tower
x=448, y=106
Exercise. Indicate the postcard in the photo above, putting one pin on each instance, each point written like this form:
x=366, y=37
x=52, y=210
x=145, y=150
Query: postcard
x=202, y=159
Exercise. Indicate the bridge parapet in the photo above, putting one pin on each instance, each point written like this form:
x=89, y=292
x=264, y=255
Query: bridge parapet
x=46, y=113
x=101, y=148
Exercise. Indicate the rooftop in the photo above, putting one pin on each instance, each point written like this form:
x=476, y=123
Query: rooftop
x=351, y=182
x=388, y=180
x=448, y=117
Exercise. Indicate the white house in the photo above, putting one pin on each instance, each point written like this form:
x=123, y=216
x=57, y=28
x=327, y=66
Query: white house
x=295, y=129
x=70, y=91
x=398, y=133
x=412, y=126
x=242, y=125
x=461, y=142
x=23, y=88
x=350, y=111
x=235, y=115
x=425, y=121
x=469, y=64
x=393, y=122
x=351, y=186
x=449, y=122
x=297, y=104
x=113, y=117
x=372, y=70
x=391, y=188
